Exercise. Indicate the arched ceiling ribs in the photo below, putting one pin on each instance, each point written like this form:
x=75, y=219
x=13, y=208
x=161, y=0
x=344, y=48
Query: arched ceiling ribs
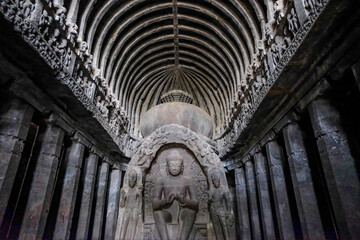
x=85, y=17
x=149, y=61
x=251, y=38
x=219, y=83
x=147, y=48
x=142, y=81
x=211, y=75
x=224, y=56
x=149, y=92
x=140, y=58
x=208, y=98
x=100, y=14
x=118, y=76
x=217, y=32
x=143, y=91
x=188, y=49
x=201, y=98
x=129, y=19
x=203, y=77
x=109, y=50
x=245, y=11
x=246, y=51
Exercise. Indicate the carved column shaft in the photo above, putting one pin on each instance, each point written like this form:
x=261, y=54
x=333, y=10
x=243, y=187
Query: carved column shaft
x=15, y=118
x=73, y=161
x=339, y=166
x=100, y=200
x=254, y=212
x=242, y=204
x=356, y=72
x=264, y=195
x=42, y=185
x=91, y=164
x=282, y=207
x=303, y=184
x=113, y=203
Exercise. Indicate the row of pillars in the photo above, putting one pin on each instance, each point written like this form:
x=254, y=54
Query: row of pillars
x=101, y=181
x=262, y=193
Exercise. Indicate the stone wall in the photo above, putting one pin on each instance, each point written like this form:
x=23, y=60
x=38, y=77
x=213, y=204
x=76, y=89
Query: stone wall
x=301, y=179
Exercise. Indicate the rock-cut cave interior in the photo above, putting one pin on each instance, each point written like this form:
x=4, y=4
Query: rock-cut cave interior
x=179, y=119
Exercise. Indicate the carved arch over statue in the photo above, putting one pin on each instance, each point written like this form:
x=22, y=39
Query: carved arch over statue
x=176, y=135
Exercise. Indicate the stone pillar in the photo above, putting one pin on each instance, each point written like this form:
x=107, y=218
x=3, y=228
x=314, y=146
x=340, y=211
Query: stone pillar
x=303, y=184
x=73, y=161
x=100, y=200
x=275, y=161
x=242, y=204
x=91, y=164
x=15, y=119
x=43, y=183
x=356, y=72
x=254, y=212
x=339, y=166
x=264, y=195
x=113, y=203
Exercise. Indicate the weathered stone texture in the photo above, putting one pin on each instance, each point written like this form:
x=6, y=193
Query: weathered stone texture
x=113, y=203
x=90, y=169
x=282, y=208
x=264, y=195
x=42, y=185
x=339, y=164
x=307, y=204
x=254, y=212
x=73, y=160
x=100, y=200
x=15, y=118
x=242, y=204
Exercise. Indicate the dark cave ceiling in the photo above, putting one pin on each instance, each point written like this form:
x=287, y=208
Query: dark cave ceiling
x=147, y=48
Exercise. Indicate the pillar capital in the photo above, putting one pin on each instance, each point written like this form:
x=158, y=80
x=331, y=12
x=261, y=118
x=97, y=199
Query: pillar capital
x=256, y=149
x=78, y=137
x=269, y=137
x=290, y=118
x=96, y=151
x=115, y=166
x=249, y=163
x=123, y=166
x=246, y=159
x=57, y=120
x=107, y=160
x=319, y=90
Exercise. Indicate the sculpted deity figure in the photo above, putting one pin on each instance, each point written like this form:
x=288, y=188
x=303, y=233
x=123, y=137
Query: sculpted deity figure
x=220, y=209
x=175, y=188
x=130, y=202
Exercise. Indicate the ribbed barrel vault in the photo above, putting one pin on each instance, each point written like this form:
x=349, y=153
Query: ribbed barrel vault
x=147, y=48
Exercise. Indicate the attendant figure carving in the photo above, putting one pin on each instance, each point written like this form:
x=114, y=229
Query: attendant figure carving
x=130, y=203
x=175, y=189
x=220, y=209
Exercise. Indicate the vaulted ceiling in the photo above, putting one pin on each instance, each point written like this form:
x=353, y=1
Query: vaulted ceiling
x=147, y=48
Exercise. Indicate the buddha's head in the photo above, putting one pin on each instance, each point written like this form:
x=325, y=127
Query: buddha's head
x=132, y=178
x=174, y=163
x=215, y=177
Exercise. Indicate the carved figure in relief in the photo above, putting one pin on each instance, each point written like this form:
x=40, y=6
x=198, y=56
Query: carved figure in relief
x=130, y=202
x=175, y=189
x=220, y=209
x=309, y=5
x=293, y=22
x=27, y=8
